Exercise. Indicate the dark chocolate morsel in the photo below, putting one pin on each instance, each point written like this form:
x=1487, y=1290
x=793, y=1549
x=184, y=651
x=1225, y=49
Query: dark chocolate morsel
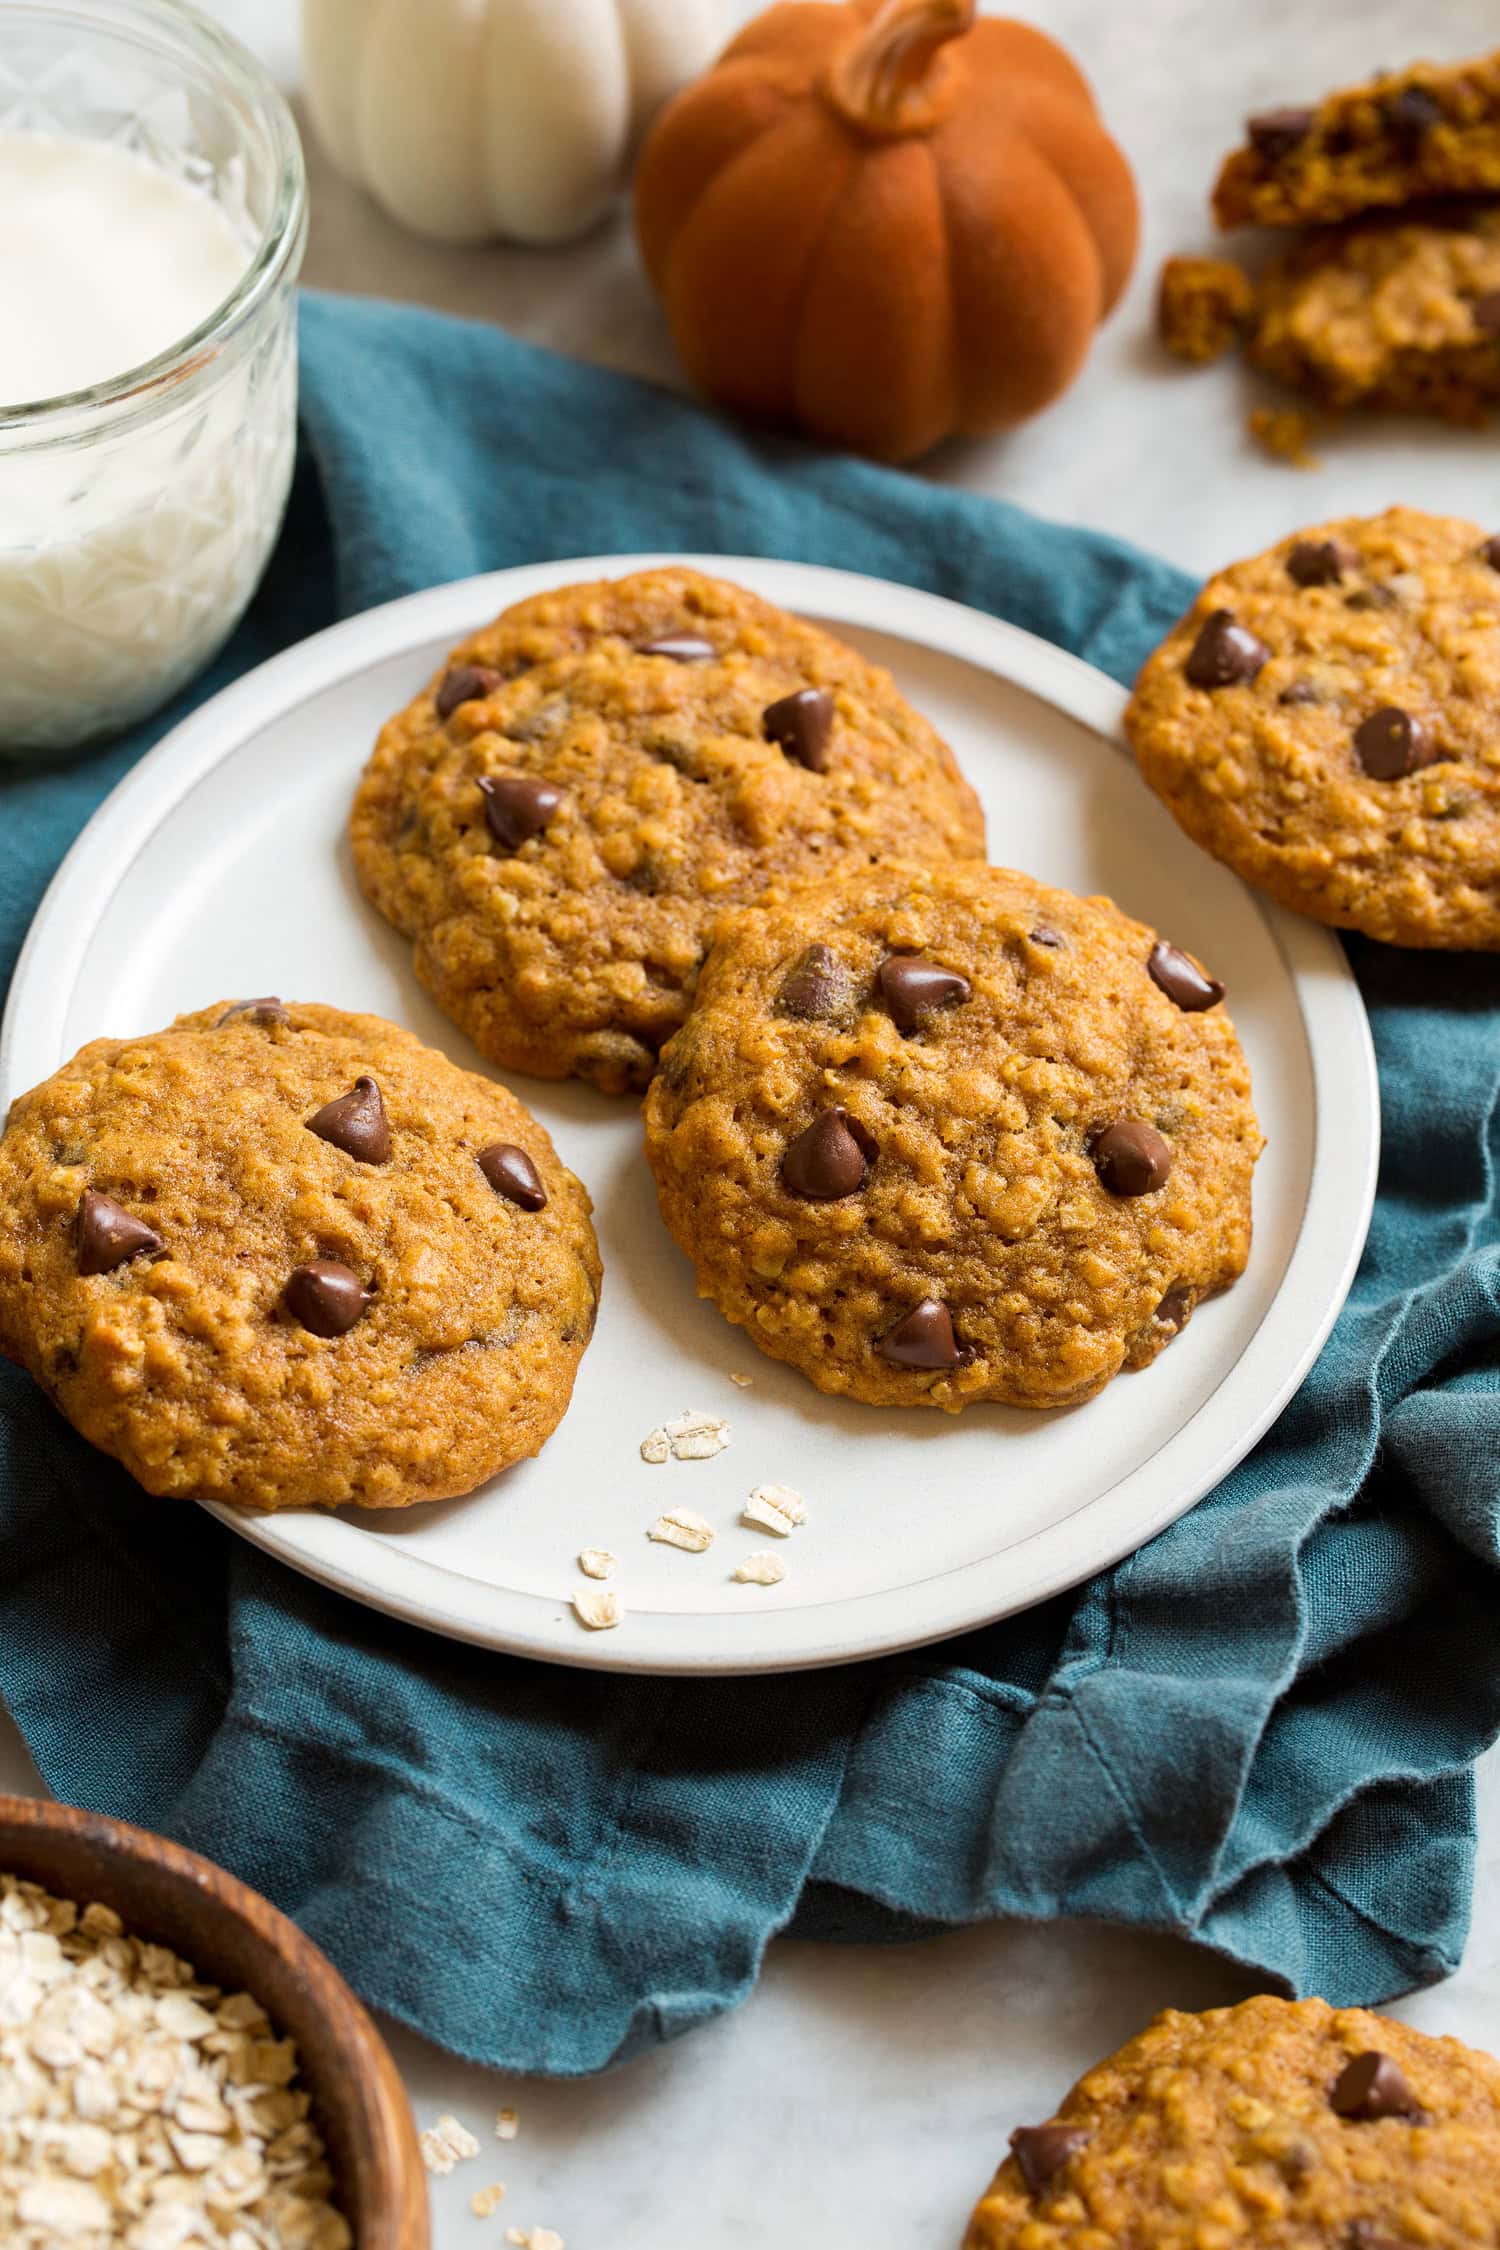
x=1411, y=115
x=512, y=1174
x=816, y=988
x=1391, y=743
x=109, y=1235
x=1365, y=2235
x=1490, y=551
x=1485, y=313
x=325, y=1297
x=1317, y=562
x=517, y=806
x=1298, y=691
x=267, y=1010
x=1371, y=2086
x=1044, y=934
x=1041, y=2151
x=1175, y=1309
x=1274, y=133
x=682, y=648
x=1182, y=980
x=355, y=1122
x=802, y=726
x=910, y=987
x=832, y=1157
x=922, y=1338
x=1224, y=653
x=1131, y=1158
x=464, y=683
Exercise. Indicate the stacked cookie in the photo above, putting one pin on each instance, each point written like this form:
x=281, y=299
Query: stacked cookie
x=1393, y=298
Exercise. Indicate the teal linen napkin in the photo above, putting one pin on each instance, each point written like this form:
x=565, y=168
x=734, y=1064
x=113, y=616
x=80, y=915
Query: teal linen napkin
x=1259, y=1732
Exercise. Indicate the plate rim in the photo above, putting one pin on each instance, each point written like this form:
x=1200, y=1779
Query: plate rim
x=1331, y=1232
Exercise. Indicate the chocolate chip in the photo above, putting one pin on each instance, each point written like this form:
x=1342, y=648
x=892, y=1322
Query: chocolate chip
x=109, y=1235
x=831, y=1158
x=1131, y=1158
x=517, y=806
x=512, y=1174
x=922, y=1338
x=802, y=725
x=1318, y=562
x=1299, y=691
x=1371, y=597
x=1411, y=115
x=1041, y=2151
x=682, y=648
x=1224, y=653
x=1274, y=133
x=818, y=987
x=1371, y=2086
x=355, y=1123
x=1043, y=934
x=325, y=1297
x=464, y=683
x=267, y=1010
x=1365, y=2235
x=1490, y=551
x=1390, y=743
x=912, y=987
x=1176, y=1309
x=1183, y=982
x=1485, y=313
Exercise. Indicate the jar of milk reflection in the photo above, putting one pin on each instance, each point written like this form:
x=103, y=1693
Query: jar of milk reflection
x=154, y=214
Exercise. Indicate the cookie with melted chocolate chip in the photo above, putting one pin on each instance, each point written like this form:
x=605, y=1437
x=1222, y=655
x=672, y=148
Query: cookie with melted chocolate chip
x=938, y=1136
x=558, y=818
x=1276, y=2123
x=289, y=1257
x=1324, y=720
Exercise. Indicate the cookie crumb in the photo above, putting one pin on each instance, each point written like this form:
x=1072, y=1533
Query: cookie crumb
x=507, y=2125
x=697, y=1437
x=598, y=1608
x=775, y=1507
x=680, y=1527
x=1202, y=305
x=760, y=1569
x=484, y=2202
x=445, y=2144
x=598, y=1562
x=1284, y=433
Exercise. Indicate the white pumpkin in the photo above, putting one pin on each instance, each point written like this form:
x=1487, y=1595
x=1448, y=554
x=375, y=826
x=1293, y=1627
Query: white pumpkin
x=467, y=119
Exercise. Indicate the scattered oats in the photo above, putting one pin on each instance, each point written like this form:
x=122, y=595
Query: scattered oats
x=680, y=1527
x=598, y=1562
x=657, y=1447
x=775, y=1507
x=139, y=2106
x=760, y=1569
x=507, y=2125
x=743, y=1382
x=484, y=2202
x=599, y=1610
x=697, y=1437
x=535, y=2238
x=447, y=2143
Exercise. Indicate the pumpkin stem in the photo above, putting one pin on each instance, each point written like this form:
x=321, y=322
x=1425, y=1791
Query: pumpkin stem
x=888, y=79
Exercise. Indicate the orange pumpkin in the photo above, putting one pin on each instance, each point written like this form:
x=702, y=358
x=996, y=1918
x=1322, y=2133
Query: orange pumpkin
x=886, y=224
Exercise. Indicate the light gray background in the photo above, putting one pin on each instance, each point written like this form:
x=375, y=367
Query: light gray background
x=862, y=2096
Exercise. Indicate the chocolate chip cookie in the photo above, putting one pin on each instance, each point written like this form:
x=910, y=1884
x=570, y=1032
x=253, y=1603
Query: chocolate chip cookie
x=557, y=820
x=293, y=1258
x=1277, y=2123
x=1324, y=721
x=1430, y=130
x=937, y=1136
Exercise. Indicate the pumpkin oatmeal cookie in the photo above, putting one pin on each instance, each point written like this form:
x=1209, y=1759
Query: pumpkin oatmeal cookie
x=1324, y=721
x=557, y=821
x=937, y=1136
x=293, y=1258
x=1277, y=2124
x=1394, y=315
x=1425, y=131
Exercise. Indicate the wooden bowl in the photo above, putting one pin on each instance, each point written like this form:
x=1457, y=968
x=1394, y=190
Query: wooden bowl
x=235, y=1938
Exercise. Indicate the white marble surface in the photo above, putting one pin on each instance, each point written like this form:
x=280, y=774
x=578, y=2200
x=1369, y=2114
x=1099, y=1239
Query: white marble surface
x=861, y=2097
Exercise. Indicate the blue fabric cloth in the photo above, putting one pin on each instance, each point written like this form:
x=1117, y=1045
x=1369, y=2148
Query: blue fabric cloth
x=1258, y=1732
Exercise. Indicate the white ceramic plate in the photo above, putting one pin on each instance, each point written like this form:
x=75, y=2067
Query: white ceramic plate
x=219, y=867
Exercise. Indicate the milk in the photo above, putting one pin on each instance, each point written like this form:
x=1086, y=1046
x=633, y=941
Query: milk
x=131, y=536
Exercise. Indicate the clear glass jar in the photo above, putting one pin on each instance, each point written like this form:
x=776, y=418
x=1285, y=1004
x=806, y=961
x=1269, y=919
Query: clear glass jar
x=136, y=517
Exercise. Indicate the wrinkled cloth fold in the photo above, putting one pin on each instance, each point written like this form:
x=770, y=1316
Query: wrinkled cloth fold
x=1259, y=1732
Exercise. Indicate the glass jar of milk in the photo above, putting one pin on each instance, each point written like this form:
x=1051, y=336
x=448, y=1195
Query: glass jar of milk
x=154, y=214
